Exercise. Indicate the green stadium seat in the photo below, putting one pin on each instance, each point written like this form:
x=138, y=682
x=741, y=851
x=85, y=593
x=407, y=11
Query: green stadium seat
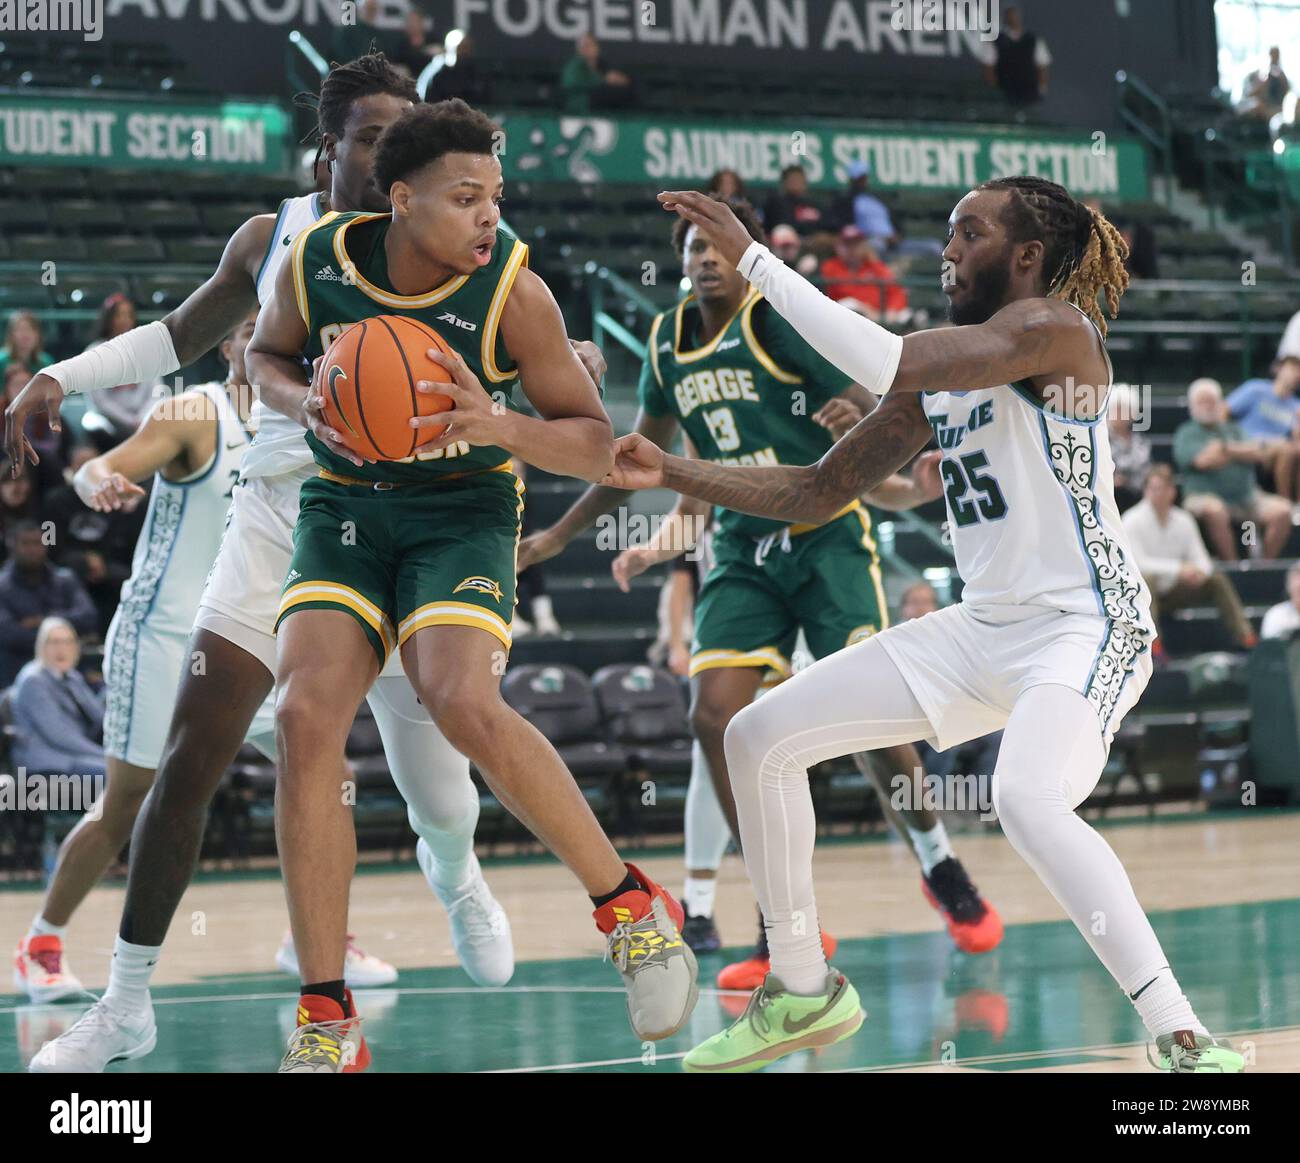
x=165, y=216
x=54, y=248
x=203, y=250
x=23, y=214
x=87, y=214
x=87, y=290
x=129, y=248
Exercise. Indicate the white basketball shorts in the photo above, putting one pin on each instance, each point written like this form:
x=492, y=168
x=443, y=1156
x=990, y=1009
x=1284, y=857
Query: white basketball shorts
x=241, y=599
x=967, y=668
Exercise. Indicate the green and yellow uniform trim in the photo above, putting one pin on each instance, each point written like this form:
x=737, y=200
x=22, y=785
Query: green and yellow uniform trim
x=323, y=595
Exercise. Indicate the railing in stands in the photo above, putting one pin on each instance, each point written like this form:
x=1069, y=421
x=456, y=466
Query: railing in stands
x=1146, y=113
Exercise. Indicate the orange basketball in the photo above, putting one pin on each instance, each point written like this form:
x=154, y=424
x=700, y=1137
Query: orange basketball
x=368, y=380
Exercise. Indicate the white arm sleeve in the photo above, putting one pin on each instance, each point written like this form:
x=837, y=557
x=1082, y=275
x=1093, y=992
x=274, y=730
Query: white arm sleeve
x=853, y=343
x=139, y=356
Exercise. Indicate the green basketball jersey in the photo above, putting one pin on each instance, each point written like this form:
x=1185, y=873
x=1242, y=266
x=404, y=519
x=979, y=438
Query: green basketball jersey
x=341, y=277
x=745, y=397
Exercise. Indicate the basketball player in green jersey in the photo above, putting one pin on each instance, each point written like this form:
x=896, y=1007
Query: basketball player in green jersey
x=420, y=555
x=747, y=389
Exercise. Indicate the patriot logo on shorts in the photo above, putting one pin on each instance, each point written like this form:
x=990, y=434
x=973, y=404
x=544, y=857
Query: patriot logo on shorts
x=485, y=585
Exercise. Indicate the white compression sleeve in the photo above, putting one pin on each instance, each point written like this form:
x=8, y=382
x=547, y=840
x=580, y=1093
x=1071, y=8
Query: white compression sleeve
x=853, y=343
x=140, y=356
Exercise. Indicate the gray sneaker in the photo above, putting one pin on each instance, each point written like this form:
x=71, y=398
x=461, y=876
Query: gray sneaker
x=657, y=966
x=334, y=1046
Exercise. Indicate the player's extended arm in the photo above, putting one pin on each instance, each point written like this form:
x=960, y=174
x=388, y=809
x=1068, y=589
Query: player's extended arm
x=878, y=445
x=1028, y=338
x=595, y=501
x=148, y=353
x=175, y=428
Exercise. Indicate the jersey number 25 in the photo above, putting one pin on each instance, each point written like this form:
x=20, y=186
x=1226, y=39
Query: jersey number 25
x=963, y=476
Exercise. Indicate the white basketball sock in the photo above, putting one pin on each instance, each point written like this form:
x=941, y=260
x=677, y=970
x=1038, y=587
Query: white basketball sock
x=129, y=974
x=707, y=833
x=931, y=847
x=699, y=895
x=42, y=928
x=1161, y=1003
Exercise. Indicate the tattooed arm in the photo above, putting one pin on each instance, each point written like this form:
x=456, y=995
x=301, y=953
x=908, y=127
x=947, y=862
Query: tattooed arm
x=879, y=445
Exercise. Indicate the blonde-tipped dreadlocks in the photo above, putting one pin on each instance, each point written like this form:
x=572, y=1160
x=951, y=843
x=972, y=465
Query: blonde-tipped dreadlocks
x=1083, y=253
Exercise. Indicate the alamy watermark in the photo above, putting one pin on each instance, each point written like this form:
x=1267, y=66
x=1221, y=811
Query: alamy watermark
x=83, y=16
x=31, y=792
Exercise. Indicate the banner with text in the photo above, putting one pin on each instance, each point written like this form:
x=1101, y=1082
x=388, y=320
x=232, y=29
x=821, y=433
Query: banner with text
x=234, y=137
x=594, y=149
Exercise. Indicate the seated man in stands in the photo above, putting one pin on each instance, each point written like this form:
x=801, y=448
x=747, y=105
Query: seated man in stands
x=856, y=277
x=32, y=589
x=1173, y=558
x=1283, y=620
x=1268, y=410
x=1218, y=464
x=58, y=718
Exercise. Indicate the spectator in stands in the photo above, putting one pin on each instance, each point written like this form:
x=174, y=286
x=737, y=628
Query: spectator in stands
x=1017, y=62
x=1269, y=411
x=414, y=49
x=18, y=500
x=350, y=41
x=459, y=74
x=728, y=184
x=32, y=589
x=1173, y=558
x=919, y=599
x=588, y=83
x=1283, y=620
x=786, y=244
x=1131, y=451
x=859, y=207
x=793, y=205
x=58, y=718
x=856, y=277
x=1265, y=90
x=125, y=405
x=1218, y=467
x=24, y=344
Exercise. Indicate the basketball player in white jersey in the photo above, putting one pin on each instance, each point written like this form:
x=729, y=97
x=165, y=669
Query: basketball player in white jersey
x=192, y=445
x=1050, y=642
x=234, y=628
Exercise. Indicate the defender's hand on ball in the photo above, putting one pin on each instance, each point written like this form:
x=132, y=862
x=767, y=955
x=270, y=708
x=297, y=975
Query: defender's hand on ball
x=474, y=416
x=715, y=220
x=638, y=464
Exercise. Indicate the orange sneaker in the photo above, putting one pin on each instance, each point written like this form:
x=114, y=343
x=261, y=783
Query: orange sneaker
x=41, y=972
x=327, y=1040
x=643, y=938
x=973, y=924
x=748, y=975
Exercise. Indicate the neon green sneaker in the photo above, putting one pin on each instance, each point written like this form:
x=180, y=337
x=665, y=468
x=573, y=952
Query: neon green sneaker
x=1183, y=1052
x=776, y=1023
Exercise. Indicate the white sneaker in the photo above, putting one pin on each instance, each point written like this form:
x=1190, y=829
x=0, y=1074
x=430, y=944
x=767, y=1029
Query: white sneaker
x=103, y=1034
x=361, y=970
x=41, y=972
x=480, y=929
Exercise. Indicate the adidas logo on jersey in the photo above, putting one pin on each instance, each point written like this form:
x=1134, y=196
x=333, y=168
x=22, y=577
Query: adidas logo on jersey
x=729, y=344
x=327, y=274
x=457, y=321
x=294, y=575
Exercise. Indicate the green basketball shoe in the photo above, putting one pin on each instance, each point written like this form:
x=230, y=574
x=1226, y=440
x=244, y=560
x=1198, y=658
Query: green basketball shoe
x=1183, y=1052
x=776, y=1023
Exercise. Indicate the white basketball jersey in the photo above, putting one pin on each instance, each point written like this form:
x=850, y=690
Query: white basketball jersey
x=182, y=531
x=1031, y=508
x=280, y=444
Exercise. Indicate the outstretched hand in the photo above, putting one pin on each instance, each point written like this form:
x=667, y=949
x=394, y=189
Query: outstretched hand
x=715, y=219
x=638, y=464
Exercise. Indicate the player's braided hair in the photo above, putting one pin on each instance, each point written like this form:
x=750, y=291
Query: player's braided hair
x=743, y=210
x=344, y=84
x=1083, y=253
